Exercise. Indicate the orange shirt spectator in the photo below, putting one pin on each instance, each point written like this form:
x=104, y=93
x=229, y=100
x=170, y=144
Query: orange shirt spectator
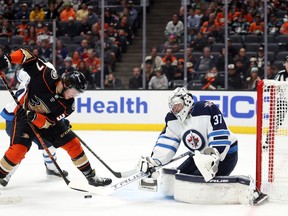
x=21, y=28
x=209, y=26
x=92, y=62
x=220, y=18
x=67, y=12
x=257, y=26
x=169, y=54
x=284, y=27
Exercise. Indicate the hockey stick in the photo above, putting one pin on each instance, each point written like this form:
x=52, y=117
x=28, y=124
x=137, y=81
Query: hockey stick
x=75, y=187
x=136, y=177
x=116, y=174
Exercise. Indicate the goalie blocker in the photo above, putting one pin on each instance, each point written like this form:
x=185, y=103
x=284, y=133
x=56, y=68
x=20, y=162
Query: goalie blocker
x=219, y=190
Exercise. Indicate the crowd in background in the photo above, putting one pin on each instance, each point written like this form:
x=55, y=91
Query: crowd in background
x=206, y=45
x=78, y=41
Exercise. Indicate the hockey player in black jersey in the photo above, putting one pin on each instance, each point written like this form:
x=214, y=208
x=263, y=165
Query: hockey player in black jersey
x=47, y=101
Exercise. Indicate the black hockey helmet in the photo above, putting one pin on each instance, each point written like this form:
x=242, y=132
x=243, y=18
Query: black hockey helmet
x=74, y=79
x=286, y=59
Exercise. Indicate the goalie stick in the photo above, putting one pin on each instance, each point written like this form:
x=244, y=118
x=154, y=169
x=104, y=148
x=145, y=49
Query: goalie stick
x=116, y=174
x=133, y=178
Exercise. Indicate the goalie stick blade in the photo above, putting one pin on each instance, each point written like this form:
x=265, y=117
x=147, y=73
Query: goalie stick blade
x=10, y=200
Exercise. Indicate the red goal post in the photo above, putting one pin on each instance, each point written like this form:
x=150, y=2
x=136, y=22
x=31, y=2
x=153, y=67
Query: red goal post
x=272, y=139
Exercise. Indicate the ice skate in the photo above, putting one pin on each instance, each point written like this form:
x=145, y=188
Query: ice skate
x=96, y=180
x=52, y=172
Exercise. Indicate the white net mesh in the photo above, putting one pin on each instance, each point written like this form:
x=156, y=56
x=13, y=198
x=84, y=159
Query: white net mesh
x=273, y=146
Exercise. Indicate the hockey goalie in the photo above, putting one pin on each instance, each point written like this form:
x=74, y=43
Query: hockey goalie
x=200, y=126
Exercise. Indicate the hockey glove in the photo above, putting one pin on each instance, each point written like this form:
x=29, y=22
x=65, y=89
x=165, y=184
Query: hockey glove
x=26, y=115
x=5, y=61
x=207, y=163
x=148, y=165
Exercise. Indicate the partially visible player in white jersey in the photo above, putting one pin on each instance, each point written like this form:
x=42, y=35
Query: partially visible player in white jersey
x=8, y=114
x=202, y=128
x=283, y=74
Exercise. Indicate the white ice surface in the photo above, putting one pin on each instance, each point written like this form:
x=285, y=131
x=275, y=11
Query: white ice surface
x=44, y=196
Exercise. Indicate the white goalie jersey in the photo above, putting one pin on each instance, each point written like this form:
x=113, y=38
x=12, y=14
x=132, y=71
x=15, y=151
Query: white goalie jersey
x=204, y=127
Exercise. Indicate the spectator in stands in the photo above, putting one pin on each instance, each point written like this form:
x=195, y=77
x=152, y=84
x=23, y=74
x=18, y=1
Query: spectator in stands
x=84, y=27
x=193, y=19
x=83, y=68
x=113, y=82
x=6, y=29
x=67, y=12
x=61, y=50
x=257, y=27
x=109, y=17
x=220, y=17
x=210, y=28
x=181, y=14
x=205, y=61
x=133, y=16
x=23, y=13
x=242, y=55
x=82, y=13
x=174, y=27
x=179, y=71
x=198, y=43
x=192, y=75
x=39, y=27
x=36, y=14
x=45, y=34
x=136, y=81
x=234, y=80
x=45, y=51
x=30, y=36
x=21, y=28
x=94, y=65
x=172, y=43
x=172, y=58
x=251, y=81
x=124, y=29
x=240, y=67
x=212, y=80
x=110, y=50
x=52, y=12
x=155, y=58
x=83, y=48
x=71, y=29
x=284, y=26
x=67, y=67
x=159, y=81
x=76, y=59
x=240, y=26
x=260, y=58
x=274, y=24
x=169, y=69
x=149, y=72
x=92, y=16
x=271, y=72
x=220, y=62
x=190, y=57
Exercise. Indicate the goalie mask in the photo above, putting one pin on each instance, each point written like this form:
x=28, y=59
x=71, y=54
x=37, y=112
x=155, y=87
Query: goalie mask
x=181, y=103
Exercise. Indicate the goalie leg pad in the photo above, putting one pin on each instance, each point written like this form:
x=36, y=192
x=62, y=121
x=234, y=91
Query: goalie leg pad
x=225, y=190
x=168, y=180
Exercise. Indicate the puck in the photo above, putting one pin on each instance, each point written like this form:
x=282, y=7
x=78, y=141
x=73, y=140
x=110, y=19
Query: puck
x=87, y=196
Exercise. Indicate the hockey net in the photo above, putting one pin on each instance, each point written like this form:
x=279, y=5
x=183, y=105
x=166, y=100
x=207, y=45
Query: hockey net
x=272, y=139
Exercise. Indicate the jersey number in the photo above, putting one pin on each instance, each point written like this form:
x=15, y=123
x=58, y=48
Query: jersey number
x=217, y=119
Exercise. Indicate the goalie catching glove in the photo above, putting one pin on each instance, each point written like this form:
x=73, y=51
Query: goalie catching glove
x=207, y=163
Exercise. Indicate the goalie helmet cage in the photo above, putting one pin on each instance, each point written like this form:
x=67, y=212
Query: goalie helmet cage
x=272, y=139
